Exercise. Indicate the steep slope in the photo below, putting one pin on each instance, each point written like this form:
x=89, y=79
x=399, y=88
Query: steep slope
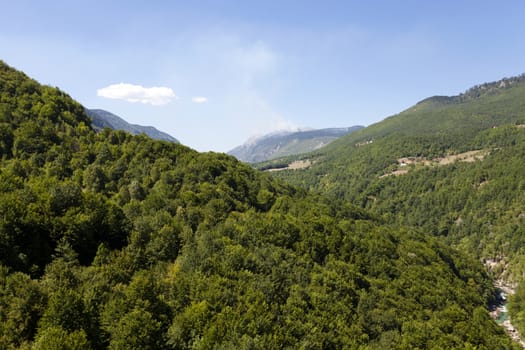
x=104, y=119
x=288, y=143
x=109, y=240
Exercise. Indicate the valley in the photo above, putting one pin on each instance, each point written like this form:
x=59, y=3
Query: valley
x=113, y=240
x=463, y=184
x=262, y=175
x=499, y=310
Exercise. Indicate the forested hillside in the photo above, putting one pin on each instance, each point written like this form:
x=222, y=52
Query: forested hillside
x=109, y=240
x=451, y=167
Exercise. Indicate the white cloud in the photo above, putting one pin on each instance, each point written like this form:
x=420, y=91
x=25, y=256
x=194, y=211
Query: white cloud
x=155, y=96
x=199, y=99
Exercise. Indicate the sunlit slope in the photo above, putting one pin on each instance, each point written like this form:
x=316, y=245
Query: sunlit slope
x=434, y=127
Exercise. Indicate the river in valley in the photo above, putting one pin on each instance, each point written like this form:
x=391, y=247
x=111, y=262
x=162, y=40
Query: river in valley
x=500, y=312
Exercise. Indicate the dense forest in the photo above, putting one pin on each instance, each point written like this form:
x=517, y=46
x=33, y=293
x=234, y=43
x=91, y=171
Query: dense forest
x=109, y=240
x=451, y=167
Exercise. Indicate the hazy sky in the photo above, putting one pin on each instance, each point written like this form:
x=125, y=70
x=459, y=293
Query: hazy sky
x=214, y=73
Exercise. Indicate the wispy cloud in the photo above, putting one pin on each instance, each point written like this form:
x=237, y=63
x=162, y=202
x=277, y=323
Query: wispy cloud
x=233, y=61
x=253, y=62
x=199, y=99
x=155, y=96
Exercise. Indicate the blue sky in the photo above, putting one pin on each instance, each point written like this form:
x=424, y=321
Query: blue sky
x=228, y=70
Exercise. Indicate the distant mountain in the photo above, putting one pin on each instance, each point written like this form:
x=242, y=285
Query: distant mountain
x=104, y=119
x=283, y=144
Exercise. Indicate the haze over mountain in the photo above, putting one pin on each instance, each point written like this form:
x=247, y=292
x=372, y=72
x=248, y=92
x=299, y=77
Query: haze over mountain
x=285, y=143
x=104, y=119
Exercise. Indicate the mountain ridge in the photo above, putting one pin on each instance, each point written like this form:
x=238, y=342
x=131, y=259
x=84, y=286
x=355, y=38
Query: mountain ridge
x=105, y=119
x=284, y=143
